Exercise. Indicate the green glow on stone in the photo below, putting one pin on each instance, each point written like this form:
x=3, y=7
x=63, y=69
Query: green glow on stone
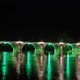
x=4, y=64
x=49, y=67
x=71, y=51
x=68, y=67
x=74, y=49
x=14, y=52
x=56, y=49
x=13, y=46
x=4, y=71
x=28, y=63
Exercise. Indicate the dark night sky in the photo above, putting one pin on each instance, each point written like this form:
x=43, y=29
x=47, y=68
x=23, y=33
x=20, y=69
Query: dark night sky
x=39, y=20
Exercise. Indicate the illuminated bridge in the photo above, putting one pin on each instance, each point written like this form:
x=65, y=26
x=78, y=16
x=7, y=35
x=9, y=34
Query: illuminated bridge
x=22, y=60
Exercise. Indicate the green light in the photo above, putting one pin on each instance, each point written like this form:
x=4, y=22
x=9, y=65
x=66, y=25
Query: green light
x=28, y=63
x=4, y=59
x=37, y=49
x=56, y=50
x=70, y=51
x=74, y=49
x=68, y=67
x=4, y=64
x=49, y=67
x=13, y=46
x=52, y=52
x=4, y=71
